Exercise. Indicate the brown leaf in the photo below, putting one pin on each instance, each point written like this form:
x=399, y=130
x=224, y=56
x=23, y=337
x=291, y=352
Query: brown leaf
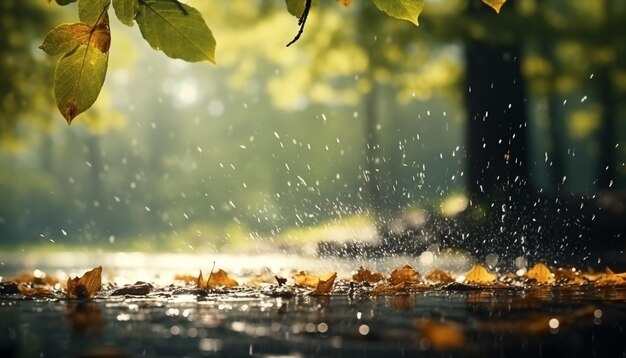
x=365, y=275
x=138, y=289
x=305, y=279
x=35, y=292
x=388, y=289
x=566, y=276
x=479, y=275
x=220, y=278
x=200, y=281
x=86, y=286
x=541, y=273
x=439, y=276
x=404, y=274
x=40, y=279
x=281, y=281
x=324, y=287
x=187, y=279
x=441, y=335
x=609, y=278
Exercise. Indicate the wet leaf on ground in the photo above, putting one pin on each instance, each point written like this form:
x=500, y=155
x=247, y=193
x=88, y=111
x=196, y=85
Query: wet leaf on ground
x=365, y=275
x=86, y=286
x=138, y=289
x=305, y=279
x=324, y=287
x=479, y=275
x=404, y=274
x=541, y=274
x=439, y=276
x=220, y=279
x=36, y=291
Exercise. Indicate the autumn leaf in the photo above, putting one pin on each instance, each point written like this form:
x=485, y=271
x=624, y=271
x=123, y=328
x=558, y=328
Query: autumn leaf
x=91, y=11
x=325, y=286
x=541, y=273
x=187, y=279
x=138, y=289
x=401, y=9
x=86, y=286
x=609, y=278
x=36, y=291
x=305, y=279
x=220, y=278
x=200, y=281
x=567, y=276
x=365, y=275
x=439, y=276
x=40, y=279
x=495, y=4
x=404, y=274
x=479, y=275
x=389, y=289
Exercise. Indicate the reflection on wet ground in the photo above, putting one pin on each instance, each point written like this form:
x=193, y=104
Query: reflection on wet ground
x=244, y=322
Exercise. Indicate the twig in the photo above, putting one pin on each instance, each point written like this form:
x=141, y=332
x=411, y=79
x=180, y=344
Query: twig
x=302, y=21
x=208, y=281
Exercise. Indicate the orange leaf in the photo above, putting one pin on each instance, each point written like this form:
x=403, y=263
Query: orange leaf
x=324, y=287
x=404, y=274
x=365, y=275
x=439, y=276
x=388, y=289
x=220, y=278
x=479, y=275
x=86, y=286
x=187, y=279
x=305, y=279
x=541, y=273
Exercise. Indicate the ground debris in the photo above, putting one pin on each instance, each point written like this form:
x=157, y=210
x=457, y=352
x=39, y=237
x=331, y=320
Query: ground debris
x=138, y=289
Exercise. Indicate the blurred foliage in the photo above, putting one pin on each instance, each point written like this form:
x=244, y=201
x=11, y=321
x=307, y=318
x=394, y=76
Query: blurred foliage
x=271, y=142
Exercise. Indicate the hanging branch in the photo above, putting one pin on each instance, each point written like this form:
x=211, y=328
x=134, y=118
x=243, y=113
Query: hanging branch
x=302, y=21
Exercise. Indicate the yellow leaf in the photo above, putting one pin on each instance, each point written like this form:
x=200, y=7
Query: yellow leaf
x=479, y=275
x=541, y=273
x=305, y=279
x=495, y=4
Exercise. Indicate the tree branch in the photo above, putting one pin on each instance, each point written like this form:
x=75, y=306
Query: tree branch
x=302, y=22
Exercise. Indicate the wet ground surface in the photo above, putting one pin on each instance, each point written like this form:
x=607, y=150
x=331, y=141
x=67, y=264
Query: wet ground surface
x=175, y=321
x=446, y=323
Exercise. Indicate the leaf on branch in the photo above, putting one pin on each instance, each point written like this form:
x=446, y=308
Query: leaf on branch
x=90, y=11
x=401, y=9
x=125, y=10
x=495, y=4
x=295, y=7
x=86, y=286
x=176, y=29
x=67, y=37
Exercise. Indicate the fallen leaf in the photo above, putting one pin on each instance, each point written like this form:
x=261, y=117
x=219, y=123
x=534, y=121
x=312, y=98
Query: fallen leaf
x=567, y=276
x=541, y=273
x=305, y=279
x=365, y=275
x=187, y=279
x=439, y=276
x=441, y=335
x=40, y=279
x=220, y=278
x=610, y=278
x=138, y=289
x=86, y=286
x=479, y=275
x=388, y=289
x=324, y=287
x=200, y=281
x=35, y=292
x=404, y=274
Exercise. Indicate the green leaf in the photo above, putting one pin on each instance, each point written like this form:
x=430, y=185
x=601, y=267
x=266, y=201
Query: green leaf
x=125, y=10
x=176, y=29
x=89, y=11
x=401, y=9
x=295, y=7
x=67, y=37
x=80, y=74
